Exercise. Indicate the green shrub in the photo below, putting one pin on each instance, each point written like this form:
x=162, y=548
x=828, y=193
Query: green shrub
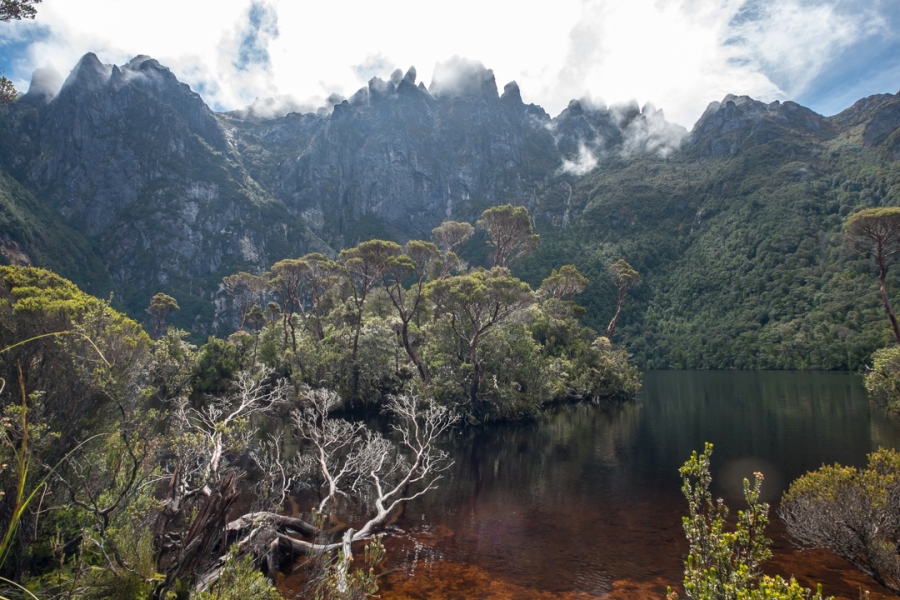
x=883, y=381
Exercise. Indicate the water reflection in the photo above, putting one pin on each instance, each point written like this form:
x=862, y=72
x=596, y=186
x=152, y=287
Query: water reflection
x=587, y=503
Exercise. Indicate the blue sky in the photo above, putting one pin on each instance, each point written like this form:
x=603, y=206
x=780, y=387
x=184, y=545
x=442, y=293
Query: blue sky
x=677, y=54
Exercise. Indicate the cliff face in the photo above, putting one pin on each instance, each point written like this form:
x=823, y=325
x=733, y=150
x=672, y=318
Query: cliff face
x=137, y=163
x=398, y=156
x=172, y=196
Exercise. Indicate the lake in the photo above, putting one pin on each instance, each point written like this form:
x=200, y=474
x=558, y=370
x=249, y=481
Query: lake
x=587, y=502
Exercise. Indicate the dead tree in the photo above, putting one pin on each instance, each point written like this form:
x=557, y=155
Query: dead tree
x=353, y=465
x=363, y=477
x=203, y=480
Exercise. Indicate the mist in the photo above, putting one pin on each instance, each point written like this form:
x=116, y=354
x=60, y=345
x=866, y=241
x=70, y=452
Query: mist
x=461, y=77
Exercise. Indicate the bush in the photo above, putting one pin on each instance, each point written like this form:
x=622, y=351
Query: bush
x=727, y=565
x=240, y=579
x=854, y=513
x=883, y=381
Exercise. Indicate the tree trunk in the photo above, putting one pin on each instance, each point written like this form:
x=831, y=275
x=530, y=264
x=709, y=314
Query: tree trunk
x=404, y=336
x=293, y=333
x=884, y=297
x=204, y=541
x=612, y=324
x=476, y=372
x=355, y=352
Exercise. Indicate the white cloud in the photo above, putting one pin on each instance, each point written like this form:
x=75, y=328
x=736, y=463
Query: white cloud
x=585, y=162
x=679, y=54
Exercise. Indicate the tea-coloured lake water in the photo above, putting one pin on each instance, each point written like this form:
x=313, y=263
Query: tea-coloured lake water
x=587, y=502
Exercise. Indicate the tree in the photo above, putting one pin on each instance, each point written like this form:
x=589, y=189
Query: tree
x=511, y=233
x=365, y=266
x=727, y=565
x=876, y=231
x=418, y=257
x=625, y=279
x=161, y=306
x=321, y=276
x=351, y=466
x=288, y=278
x=855, y=513
x=14, y=10
x=8, y=93
x=206, y=442
x=246, y=290
x=475, y=305
x=564, y=284
x=451, y=235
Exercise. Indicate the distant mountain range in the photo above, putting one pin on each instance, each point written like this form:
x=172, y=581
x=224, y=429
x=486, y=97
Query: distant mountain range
x=126, y=182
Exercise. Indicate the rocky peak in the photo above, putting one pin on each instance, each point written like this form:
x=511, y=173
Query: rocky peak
x=511, y=94
x=740, y=123
x=875, y=121
x=862, y=110
x=45, y=84
x=89, y=75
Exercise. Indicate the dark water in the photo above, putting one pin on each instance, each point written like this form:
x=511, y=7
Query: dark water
x=587, y=504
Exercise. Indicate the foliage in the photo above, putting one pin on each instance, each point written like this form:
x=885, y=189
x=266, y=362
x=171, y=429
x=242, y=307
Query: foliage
x=476, y=304
x=240, y=579
x=883, y=380
x=510, y=231
x=17, y=9
x=743, y=257
x=340, y=583
x=564, y=284
x=451, y=235
x=855, y=513
x=82, y=441
x=122, y=414
x=161, y=306
x=722, y=564
x=8, y=91
x=389, y=316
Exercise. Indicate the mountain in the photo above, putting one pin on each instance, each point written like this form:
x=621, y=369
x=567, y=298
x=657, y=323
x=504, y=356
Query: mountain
x=739, y=238
x=735, y=226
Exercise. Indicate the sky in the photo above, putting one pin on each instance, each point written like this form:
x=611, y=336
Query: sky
x=678, y=55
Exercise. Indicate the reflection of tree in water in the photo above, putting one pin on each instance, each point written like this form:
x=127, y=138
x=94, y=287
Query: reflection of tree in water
x=885, y=432
x=540, y=457
x=520, y=497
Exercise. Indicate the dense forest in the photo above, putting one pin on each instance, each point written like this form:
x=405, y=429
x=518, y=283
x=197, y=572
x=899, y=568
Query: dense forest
x=744, y=258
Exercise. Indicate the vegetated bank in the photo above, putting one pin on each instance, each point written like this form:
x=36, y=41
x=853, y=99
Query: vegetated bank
x=125, y=455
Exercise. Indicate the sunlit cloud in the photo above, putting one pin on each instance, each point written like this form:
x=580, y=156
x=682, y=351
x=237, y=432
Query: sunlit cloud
x=677, y=54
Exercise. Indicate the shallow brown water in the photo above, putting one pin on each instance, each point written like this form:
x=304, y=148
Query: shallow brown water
x=587, y=503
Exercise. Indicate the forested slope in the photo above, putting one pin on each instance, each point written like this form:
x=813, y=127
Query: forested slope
x=742, y=255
